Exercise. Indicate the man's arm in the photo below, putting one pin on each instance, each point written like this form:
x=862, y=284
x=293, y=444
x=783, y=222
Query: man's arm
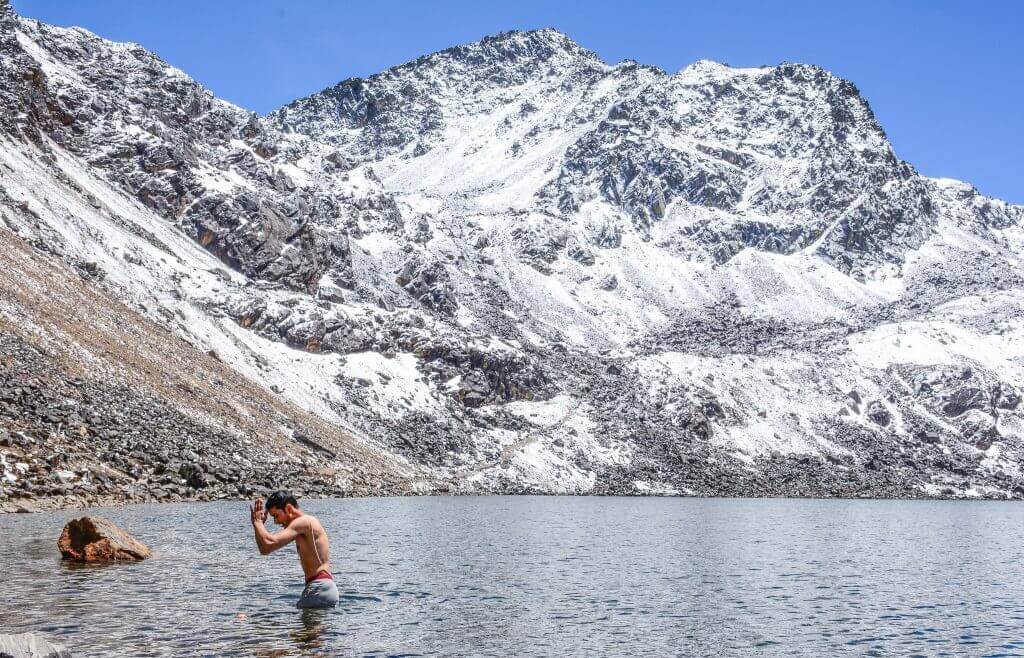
x=265, y=541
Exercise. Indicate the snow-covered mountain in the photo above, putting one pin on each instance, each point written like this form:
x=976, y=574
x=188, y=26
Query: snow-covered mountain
x=510, y=266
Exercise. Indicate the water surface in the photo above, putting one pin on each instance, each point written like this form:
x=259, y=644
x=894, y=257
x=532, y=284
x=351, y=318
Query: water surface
x=542, y=576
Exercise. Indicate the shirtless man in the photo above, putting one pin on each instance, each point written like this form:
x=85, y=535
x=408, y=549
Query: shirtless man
x=310, y=540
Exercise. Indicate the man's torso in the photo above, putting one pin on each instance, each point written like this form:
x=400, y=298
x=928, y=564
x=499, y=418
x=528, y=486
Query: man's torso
x=313, y=547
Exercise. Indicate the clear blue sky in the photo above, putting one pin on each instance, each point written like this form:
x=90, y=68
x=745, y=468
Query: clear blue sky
x=946, y=79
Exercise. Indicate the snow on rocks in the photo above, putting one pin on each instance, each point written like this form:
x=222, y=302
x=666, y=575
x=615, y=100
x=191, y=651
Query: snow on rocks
x=510, y=266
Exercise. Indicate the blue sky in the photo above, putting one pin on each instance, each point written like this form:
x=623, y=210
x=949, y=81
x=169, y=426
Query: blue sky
x=946, y=79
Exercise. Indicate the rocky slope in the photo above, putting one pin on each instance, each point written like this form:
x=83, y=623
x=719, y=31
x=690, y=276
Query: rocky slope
x=100, y=405
x=510, y=266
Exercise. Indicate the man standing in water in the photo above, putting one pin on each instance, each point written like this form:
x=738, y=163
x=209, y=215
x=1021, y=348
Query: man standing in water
x=310, y=540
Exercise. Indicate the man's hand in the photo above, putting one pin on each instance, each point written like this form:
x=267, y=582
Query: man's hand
x=257, y=513
x=266, y=542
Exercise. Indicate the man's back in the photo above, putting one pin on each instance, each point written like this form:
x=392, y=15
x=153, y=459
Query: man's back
x=312, y=544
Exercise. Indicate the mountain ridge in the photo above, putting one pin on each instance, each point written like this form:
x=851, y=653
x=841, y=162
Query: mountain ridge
x=557, y=277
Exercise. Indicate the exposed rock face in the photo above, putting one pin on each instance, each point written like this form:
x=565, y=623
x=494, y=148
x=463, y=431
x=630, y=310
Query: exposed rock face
x=95, y=539
x=212, y=168
x=429, y=284
x=30, y=645
x=90, y=415
x=395, y=109
x=509, y=266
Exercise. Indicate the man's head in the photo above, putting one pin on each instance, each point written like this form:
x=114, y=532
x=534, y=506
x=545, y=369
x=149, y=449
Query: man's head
x=283, y=506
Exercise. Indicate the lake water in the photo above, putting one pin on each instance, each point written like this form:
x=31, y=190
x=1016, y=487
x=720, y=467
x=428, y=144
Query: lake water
x=542, y=576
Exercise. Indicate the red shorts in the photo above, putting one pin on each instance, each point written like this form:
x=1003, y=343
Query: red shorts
x=321, y=575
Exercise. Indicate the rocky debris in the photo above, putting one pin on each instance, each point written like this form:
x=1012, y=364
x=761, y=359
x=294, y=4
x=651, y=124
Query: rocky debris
x=310, y=442
x=346, y=339
x=474, y=389
x=580, y=252
x=724, y=328
x=115, y=428
x=80, y=442
x=96, y=539
x=308, y=335
x=608, y=282
x=539, y=248
x=431, y=439
x=962, y=400
x=428, y=283
x=1005, y=397
x=30, y=645
x=728, y=220
x=672, y=432
x=484, y=376
x=878, y=413
x=487, y=375
x=970, y=398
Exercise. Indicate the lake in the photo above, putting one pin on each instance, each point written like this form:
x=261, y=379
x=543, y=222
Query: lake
x=542, y=576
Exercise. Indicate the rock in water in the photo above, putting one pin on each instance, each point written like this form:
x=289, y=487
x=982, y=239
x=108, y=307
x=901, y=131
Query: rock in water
x=95, y=539
x=30, y=645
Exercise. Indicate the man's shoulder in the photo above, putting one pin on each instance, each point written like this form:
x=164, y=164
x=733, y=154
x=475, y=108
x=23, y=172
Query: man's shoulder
x=301, y=523
x=313, y=522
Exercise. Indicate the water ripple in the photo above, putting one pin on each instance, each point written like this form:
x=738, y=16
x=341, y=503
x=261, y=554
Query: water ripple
x=543, y=576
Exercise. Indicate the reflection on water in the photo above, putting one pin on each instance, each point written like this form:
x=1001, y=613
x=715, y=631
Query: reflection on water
x=310, y=636
x=542, y=576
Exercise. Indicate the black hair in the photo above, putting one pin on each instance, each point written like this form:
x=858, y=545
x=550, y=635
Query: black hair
x=281, y=498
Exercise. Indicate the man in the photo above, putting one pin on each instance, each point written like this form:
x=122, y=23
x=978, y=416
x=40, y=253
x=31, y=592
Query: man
x=310, y=540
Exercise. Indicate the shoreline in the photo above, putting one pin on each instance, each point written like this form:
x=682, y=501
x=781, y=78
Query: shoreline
x=60, y=503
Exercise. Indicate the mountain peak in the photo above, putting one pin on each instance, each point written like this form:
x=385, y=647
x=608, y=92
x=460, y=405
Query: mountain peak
x=545, y=36
x=413, y=101
x=708, y=68
x=723, y=282
x=529, y=48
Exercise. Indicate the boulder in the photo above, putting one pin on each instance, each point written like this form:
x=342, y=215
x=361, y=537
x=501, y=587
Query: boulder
x=963, y=400
x=1006, y=397
x=30, y=645
x=474, y=389
x=95, y=539
x=878, y=413
x=429, y=283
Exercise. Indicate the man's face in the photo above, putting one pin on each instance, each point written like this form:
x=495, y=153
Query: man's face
x=279, y=516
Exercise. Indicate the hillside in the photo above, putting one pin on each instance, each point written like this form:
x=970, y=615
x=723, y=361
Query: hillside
x=512, y=267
